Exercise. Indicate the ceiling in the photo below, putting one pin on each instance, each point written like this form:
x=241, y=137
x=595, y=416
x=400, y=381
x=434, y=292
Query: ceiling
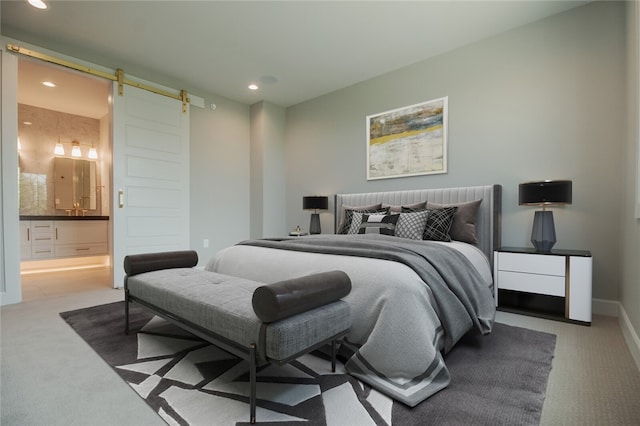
x=294, y=50
x=75, y=92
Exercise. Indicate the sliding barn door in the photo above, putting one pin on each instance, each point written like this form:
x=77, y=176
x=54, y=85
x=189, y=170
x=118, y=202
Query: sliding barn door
x=150, y=175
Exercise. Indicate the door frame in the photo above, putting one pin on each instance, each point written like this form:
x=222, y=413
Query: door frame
x=10, y=284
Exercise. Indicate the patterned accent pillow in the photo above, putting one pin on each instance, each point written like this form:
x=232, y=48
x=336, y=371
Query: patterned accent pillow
x=353, y=219
x=412, y=225
x=464, y=221
x=378, y=224
x=438, y=224
x=343, y=224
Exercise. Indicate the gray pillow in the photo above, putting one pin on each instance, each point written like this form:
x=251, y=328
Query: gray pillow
x=463, y=227
x=398, y=209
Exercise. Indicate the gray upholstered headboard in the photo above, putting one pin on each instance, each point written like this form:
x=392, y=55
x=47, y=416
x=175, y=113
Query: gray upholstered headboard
x=488, y=226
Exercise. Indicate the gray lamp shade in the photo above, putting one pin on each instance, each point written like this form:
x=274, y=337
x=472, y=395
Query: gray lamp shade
x=544, y=193
x=315, y=203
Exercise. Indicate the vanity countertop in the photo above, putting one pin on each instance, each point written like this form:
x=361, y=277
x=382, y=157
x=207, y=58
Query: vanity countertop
x=64, y=217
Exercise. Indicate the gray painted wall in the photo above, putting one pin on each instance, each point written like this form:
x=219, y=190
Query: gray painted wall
x=237, y=174
x=267, y=170
x=630, y=288
x=544, y=101
x=219, y=175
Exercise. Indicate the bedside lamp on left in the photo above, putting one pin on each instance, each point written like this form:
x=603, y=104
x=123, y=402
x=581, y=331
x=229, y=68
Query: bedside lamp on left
x=315, y=203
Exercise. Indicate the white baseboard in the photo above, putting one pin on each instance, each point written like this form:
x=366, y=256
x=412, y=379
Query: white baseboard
x=614, y=308
x=630, y=335
x=610, y=308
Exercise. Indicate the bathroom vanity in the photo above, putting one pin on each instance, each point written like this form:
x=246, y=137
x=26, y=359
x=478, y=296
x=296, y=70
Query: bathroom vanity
x=50, y=237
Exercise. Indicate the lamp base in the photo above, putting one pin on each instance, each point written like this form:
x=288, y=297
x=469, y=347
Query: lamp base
x=314, y=226
x=543, y=233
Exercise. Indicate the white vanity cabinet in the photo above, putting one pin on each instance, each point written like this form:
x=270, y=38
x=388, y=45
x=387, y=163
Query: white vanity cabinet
x=48, y=239
x=80, y=238
x=36, y=239
x=42, y=238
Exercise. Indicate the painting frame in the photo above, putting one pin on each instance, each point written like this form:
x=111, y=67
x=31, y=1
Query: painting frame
x=408, y=141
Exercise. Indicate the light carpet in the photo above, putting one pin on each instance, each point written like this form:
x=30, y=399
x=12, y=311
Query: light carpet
x=499, y=379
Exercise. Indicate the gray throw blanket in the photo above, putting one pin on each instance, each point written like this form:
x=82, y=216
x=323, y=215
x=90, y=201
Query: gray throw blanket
x=410, y=301
x=461, y=297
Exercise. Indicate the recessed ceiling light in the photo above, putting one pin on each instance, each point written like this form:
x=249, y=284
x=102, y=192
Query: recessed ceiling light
x=38, y=4
x=27, y=123
x=253, y=87
x=49, y=84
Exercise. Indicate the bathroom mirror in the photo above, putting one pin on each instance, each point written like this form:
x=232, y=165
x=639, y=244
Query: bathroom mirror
x=75, y=182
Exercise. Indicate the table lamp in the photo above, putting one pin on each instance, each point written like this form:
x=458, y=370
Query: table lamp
x=315, y=203
x=544, y=193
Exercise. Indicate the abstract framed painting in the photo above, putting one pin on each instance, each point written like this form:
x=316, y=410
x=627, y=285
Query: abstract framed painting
x=408, y=141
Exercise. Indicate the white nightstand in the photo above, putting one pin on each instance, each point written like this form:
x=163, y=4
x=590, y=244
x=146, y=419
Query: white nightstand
x=553, y=285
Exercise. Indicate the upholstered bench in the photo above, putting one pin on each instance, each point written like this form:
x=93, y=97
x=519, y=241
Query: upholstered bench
x=263, y=323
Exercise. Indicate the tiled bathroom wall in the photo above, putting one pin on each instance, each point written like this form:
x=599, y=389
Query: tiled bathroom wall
x=39, y=130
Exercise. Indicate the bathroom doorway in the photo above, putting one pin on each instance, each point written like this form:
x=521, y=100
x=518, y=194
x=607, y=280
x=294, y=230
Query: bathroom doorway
x=64, y=157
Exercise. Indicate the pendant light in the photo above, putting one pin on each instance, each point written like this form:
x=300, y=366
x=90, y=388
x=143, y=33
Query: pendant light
x=59, y=149
x=93, y=153
x=75, y=150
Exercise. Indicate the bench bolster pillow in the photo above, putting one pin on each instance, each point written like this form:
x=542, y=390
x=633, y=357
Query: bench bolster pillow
x=283, y=299
x=139, y=263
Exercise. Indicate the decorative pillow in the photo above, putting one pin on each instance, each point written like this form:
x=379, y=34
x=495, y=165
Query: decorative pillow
x=343, y=226
x=398, y=209
x=378, y=224
x=412, y=225
x=464, y=221
x=353, y=219
x=438, y=224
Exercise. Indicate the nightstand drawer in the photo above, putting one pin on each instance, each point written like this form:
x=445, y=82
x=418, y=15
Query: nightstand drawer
x=533, y=264
x=531, y=283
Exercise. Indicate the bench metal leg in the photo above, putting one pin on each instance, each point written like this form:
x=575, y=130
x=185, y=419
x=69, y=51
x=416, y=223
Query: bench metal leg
x=333, y=356
x=126, y=312
x=252, y=383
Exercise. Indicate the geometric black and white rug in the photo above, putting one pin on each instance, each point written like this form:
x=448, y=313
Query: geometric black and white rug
x=496, y=379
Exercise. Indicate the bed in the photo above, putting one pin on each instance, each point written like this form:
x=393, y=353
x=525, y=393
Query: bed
x=411, y=299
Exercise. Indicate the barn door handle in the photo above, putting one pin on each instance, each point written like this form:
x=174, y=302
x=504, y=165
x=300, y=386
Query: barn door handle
x=120, y=198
